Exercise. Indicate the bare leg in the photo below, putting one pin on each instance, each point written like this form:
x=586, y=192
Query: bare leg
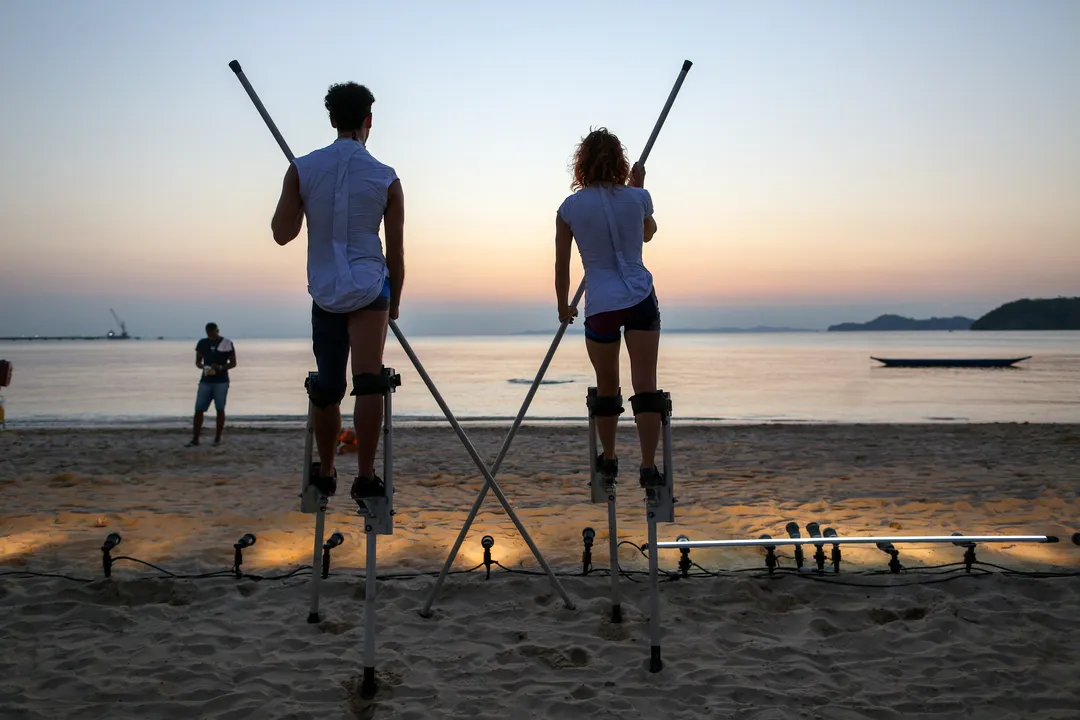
x=605, y=361
x=367, y=337
x=326, y=422
x=198, y=427
x=220, y=425
x=643, y=346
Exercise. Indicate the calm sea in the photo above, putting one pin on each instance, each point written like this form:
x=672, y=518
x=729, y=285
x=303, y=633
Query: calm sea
x=728, y=378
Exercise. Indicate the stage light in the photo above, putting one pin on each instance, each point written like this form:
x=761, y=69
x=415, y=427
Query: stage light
x=106, y=552
x=814, y=530
x=335, y=540
x=793, y=532
x=684, y=561
x=969, y=551
x=770, y=553
x=894, y=556
x=587, y=536
x=238, y=552
x=836, y=556
x=487, y=542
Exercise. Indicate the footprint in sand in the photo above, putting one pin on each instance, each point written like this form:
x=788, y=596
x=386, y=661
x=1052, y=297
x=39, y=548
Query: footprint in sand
x=555, y=658
x=335, y=628
x=882, y=616
x=612, y=631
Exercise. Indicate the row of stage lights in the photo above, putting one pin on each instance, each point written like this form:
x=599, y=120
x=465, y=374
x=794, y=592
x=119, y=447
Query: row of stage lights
x=813, y=529
x=246, y=541
x=588, y=536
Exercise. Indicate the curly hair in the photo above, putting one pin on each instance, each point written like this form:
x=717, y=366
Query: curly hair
x=599, y=158
x=349, y=105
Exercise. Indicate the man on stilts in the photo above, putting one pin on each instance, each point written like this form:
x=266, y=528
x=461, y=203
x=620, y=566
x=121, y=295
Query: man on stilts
x=346, y=194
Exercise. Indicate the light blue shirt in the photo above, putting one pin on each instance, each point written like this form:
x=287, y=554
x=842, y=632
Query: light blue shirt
x=608, y=222
x=344, y=190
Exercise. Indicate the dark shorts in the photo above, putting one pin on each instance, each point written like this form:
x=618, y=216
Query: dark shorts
x=330, y=343
x=606, y=327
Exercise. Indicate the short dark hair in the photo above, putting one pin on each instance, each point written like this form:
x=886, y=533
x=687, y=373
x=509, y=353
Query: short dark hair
x=349, y=105
x=211, y=327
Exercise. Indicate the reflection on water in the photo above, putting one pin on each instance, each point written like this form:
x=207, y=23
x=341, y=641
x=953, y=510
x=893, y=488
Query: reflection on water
x=799, y=377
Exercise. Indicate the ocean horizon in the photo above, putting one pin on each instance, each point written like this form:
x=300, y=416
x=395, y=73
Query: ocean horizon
x=726, y=378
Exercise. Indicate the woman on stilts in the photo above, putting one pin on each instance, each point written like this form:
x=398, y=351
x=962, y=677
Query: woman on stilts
x=610, y=216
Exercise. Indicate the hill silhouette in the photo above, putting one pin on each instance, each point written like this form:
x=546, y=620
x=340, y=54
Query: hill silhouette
x=1052, y=314
x=886, y=323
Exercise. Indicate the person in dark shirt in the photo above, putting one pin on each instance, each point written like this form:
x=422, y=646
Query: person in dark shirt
x=215, y=356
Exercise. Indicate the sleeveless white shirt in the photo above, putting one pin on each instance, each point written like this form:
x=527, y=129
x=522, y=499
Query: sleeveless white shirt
x=608, y=222
x=344, y=192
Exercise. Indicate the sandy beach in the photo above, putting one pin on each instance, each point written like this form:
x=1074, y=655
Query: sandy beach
x=743, y=647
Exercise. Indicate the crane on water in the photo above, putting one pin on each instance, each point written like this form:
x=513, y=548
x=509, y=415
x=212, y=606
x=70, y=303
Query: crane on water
x=123, y=328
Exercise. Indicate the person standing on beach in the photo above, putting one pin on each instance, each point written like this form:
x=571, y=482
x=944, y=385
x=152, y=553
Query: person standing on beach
x=346, y=194
x=215, y=356
x=611, y=216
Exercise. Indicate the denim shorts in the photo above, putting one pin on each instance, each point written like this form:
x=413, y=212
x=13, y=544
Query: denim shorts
x=211, y=391
x=606, y=327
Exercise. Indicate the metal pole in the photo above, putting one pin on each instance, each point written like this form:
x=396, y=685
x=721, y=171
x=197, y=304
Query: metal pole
x=320, y=521
x=663, y=113
x=426, y=611
x=388, y=448
x=235, y=67
x=655, y=663
x=367, y=687
x=478, y=461
x=956, y=539
x=592, y=442
x=320, y=516
x=613, y=532
x=668, y=464
x=613, y=551
x=309, y=436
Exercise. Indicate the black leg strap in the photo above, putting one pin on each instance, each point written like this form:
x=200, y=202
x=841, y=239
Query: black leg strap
x=604, y=405
x=646, y=402
x=375, y=383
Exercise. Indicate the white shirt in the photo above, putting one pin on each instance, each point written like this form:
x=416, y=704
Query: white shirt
x=608, y=222
x=344, y=192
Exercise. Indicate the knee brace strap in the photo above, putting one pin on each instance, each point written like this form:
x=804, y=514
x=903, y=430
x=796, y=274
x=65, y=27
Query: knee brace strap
x=324, y=397
x=656, y=401
x=371, y=384
x=604, y=405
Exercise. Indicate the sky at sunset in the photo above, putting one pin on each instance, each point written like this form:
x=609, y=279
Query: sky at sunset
x=824, y=162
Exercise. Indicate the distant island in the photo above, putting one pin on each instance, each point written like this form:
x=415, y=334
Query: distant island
x=886, y=323
x=1055, y=314
x=726, y=330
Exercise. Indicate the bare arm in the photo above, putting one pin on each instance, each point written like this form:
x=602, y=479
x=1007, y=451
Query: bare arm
x=394, y=224
x=650, y=228
x=637, y=179
x=199, y=360
x=231, y=363
x=289, y=215
x=564, y=238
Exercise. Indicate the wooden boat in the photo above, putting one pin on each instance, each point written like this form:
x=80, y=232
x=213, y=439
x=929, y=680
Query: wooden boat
x=950, y=363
